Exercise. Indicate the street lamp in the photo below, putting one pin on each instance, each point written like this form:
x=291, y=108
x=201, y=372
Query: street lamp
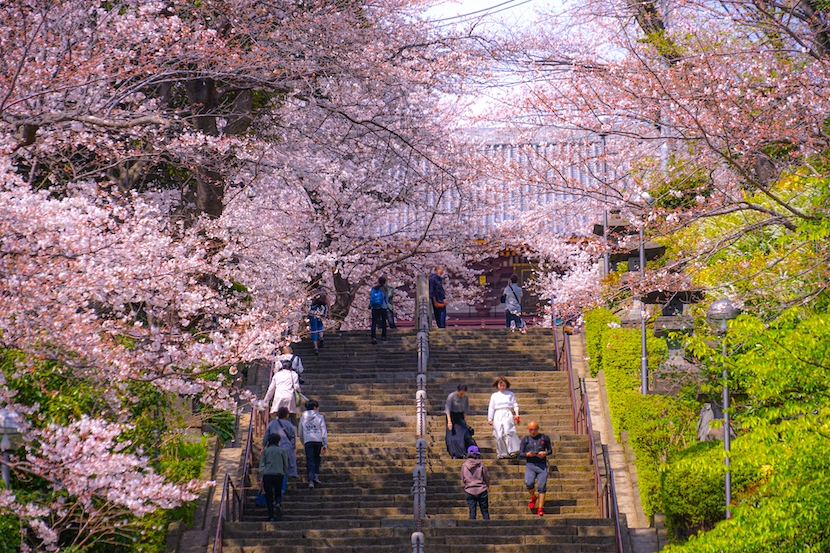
x=719, y=315
x=647, y=200
x=606, y=261
x=10, y=430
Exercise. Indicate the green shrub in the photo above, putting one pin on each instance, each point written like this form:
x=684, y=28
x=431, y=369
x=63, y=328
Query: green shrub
x=597, y=321
x=657, y=425
x=692, y=485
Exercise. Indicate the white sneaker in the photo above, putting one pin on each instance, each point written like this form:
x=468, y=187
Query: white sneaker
x=311, y=485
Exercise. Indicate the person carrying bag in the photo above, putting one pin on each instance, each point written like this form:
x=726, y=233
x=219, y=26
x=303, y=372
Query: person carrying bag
x=512, y=299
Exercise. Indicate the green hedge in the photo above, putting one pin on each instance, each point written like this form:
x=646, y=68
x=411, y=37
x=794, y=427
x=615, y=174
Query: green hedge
x=692, y=485
x=657, y=425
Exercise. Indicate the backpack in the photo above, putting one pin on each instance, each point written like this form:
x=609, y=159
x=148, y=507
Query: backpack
x=288, y=363
x=376, y=299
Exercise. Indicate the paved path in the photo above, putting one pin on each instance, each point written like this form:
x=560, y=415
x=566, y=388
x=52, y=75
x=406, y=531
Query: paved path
x=643, y=538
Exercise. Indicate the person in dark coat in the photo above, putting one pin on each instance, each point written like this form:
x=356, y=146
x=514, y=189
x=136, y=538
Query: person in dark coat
x=458, y=437
x=438, y=297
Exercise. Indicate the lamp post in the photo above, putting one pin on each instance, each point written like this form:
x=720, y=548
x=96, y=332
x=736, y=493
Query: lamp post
x=10, y=430
x=647, y=200
x=719, y=315
x=606, y=259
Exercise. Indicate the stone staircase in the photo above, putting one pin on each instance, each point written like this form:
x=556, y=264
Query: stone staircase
x=364, y=504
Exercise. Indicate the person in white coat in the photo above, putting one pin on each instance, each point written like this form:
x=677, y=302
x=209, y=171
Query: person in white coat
x=281, y=390
x=502, y=415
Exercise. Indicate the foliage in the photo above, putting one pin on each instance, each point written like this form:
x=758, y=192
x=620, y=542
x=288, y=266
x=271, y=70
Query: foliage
x=597, y=320
x=78, y=434
x=657, y=425
x=692, y=485
x=779, y=370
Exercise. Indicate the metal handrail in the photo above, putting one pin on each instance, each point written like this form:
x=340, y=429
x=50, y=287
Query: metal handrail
x=245, y=481
x=419, y=474
x=229, y=495
x=605, y=495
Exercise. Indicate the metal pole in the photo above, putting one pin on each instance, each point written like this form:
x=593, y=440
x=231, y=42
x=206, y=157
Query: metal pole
x=606, y=259
x=6, y=475
x=644, y=352
x=726, y=429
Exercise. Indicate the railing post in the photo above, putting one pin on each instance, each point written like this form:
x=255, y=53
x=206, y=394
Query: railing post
x=418, y=542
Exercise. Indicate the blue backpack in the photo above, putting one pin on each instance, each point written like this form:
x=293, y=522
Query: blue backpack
x=377, y=299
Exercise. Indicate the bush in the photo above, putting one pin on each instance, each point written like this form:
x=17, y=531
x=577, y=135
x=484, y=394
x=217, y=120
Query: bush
x=657, y=425
x=692, y=485
x=597, y=320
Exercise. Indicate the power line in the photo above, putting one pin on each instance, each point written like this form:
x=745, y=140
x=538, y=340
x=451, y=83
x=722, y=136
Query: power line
x=473, y=13
x=468, y=19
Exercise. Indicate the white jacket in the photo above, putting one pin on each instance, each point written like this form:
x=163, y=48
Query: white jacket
x=312, y=428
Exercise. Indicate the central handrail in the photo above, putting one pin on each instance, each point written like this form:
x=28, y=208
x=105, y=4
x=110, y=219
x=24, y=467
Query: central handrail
x=419, y=472
x=605, y=495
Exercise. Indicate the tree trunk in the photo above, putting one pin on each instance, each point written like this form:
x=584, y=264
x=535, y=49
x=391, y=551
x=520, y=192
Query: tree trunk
x=344, y=295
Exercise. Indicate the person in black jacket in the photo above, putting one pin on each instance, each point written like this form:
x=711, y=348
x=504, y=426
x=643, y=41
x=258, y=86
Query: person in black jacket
x=438, y=297
x=536, y=448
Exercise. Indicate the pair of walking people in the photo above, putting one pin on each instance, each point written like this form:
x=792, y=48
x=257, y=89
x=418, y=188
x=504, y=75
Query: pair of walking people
x=381, y=302
x=535, y=448
x=502, y=415
x=278, y=460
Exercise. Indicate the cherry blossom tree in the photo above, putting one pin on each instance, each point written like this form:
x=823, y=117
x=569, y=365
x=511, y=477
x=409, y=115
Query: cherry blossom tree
x=716, y=110
x=175, y=176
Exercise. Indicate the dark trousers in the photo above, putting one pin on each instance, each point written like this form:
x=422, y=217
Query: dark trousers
x=440, y=316
x=273, y=491
x=313, y=459
x=378, y=320
x=390, y=317
x=508, y=316
x=483, y=502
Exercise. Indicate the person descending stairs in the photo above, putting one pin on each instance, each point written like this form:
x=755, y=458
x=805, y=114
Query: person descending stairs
x=364, y=503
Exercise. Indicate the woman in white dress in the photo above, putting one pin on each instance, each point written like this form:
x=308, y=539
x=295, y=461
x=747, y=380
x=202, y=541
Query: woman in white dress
x=502, y=415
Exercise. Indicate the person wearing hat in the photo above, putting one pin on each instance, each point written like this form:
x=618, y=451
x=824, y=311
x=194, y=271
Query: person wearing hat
x=476, y=481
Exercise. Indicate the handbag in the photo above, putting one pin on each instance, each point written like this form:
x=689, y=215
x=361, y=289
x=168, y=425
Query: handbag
x=503, y=298
x=298, y=398
x=439, y=304
x=260, y=499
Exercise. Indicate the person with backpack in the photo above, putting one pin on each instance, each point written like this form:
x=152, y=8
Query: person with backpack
x=290, y=361
x=476, y=480
x=288, y=441
x=378, y=302
x=512, y=300
x=438, y=297
x=315, y=440
x=317, y=312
